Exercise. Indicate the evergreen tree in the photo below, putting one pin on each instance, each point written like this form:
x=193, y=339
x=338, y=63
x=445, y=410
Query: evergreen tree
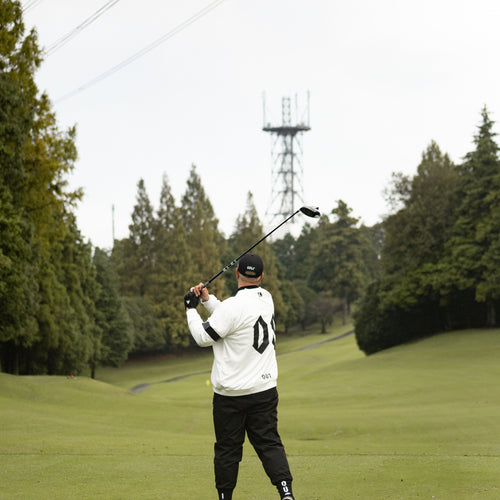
x=133, y=257
x=284, y=250
x=373, y=238
x=135, y=261
x=303, y=249
x=294, y=302
x=18, y=262
x=416, y=236
x=125, y=265
x=148, y=336
x=43, y=256
x=440, y=258
x=114, y=340
x=19, y=60
x=141, y=237
x=80, y=283
x=308, y=297
x=18, y=288
x=488, y=289
x=338, y=258
x=205, y=242
x=408, y=304
x=417, y=233
x=173, y=269
x=325, y=306
x=473, y=257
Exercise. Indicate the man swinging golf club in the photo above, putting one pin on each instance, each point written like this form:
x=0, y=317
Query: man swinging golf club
x=241, y=332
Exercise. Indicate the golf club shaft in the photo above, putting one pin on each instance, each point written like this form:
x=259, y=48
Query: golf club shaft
x=248, y=250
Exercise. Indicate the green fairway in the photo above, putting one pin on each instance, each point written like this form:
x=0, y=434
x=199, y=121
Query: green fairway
x=416, y=421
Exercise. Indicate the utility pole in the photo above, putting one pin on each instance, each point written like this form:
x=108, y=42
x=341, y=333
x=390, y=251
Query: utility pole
x=113, y=223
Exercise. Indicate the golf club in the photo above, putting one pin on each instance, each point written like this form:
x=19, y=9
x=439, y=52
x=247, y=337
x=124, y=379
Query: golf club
x=309, y=211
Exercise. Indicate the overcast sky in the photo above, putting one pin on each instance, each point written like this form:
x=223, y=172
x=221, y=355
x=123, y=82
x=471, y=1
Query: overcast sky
x=385, y=78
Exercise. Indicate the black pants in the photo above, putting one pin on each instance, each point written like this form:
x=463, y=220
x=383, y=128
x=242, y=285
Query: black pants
x=257, y=414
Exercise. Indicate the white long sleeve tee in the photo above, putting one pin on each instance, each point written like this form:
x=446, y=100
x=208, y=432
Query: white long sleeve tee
x=241, y=331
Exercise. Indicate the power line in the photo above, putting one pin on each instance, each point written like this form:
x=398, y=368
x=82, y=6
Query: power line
x=30, y=4
x=75, y=31
x=180, y=27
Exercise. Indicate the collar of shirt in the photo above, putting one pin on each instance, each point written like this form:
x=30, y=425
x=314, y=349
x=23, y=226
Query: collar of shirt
x=248, y=287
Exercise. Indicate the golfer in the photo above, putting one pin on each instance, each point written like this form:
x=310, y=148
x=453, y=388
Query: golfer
x=240, y=330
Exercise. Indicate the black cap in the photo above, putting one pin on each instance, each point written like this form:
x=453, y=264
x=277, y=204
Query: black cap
x=250, y=265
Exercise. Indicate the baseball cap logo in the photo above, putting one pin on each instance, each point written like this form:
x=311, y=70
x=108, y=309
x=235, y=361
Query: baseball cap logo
x=250, y=265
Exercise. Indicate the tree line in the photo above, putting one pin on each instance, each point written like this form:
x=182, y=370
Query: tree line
x=440, y=261
x=176, y=246
x=66, y=307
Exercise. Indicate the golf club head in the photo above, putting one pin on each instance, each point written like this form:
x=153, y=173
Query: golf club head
x=310, y=211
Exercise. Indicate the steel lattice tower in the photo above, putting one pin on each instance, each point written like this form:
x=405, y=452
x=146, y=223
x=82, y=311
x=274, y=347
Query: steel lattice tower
x=286, y=151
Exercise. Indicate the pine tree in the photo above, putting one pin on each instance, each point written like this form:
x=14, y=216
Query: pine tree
x=303, y=249
x=441, y=253
x=114, y=340
x=338, y=258
x=147, y=334
x=51, y=315
x=18, y=288
x=18, y=261
x=135, y=261
x=133, y=257
x=173, y=269
x=204, y=240
x=417, y=233
x=473, y=256
x=284, y=251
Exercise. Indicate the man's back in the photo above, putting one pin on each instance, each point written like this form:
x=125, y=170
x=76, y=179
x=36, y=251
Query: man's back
x=244, y=358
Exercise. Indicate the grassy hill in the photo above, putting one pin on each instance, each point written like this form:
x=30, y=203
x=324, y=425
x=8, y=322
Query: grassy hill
x=416, y=421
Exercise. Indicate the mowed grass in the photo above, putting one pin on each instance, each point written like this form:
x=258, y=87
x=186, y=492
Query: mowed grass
x=416, y=421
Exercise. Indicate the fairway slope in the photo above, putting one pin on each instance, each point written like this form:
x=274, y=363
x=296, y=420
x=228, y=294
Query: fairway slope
x=416, y=421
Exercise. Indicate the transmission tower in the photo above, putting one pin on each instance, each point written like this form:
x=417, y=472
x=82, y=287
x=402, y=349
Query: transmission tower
x=286, y=152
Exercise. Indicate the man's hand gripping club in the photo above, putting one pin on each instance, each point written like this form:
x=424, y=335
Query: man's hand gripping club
x=192, y=298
